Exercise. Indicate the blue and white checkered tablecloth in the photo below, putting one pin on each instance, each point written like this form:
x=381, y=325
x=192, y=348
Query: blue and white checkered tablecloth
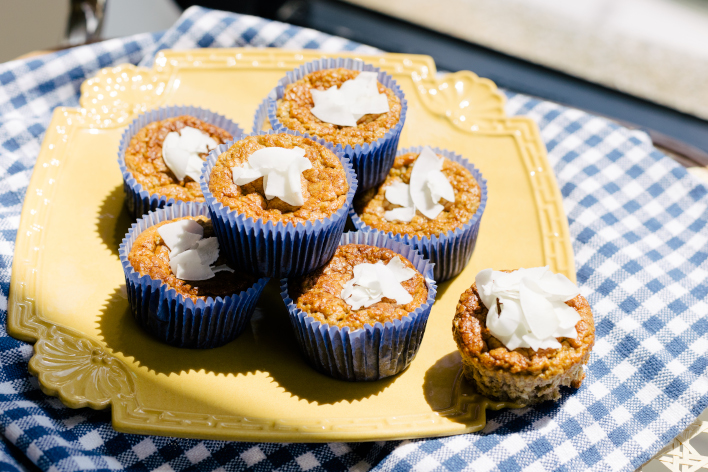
x=638, y=224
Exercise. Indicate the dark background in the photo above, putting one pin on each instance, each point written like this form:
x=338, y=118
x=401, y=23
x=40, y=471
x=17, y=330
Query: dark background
x=683, y=135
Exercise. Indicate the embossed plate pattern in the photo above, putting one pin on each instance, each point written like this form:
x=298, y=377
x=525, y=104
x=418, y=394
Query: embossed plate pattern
x=68, y=294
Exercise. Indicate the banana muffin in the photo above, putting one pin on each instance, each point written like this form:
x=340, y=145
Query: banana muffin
x=372, y=205
x=522, y=375
x=144, y=158
x=294, y=110
x=318, y=294
x=151, y=256
x=324, y=186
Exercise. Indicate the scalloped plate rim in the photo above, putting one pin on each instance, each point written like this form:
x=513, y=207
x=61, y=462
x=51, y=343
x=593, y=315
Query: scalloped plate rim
x=25, y=324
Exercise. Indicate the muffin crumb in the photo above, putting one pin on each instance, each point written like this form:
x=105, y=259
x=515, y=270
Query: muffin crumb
x=318, y=293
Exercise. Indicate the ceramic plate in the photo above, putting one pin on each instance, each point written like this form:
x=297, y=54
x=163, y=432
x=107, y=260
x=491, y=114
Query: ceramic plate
x=68, y=292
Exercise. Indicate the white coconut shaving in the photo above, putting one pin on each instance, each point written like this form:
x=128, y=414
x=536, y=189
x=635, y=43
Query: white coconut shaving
x=191, y=256
x=182, y=151
x=281, y=169
x=373, y=282
x=527, y=307
x=355, y=98
x=428, y=185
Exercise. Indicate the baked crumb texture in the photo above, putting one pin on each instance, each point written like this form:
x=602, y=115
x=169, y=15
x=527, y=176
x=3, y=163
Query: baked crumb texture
x=324, y=187
x=294, y=110
x=148, y=182
x=372, y=205
x=270, y=238
x=450, y=238
x=201, y=314
x=371, y=145
x=366, y=344
x=523, y=376
x=150, y=256
x=318, y=293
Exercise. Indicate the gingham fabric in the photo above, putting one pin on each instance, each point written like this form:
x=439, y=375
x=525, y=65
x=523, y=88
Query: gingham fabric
x=638, y=224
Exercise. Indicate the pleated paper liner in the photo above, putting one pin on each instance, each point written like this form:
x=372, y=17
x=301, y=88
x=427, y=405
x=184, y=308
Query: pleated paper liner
x=260, y=119
x=171, y=317
x=450, y=251
x=138, y=200
x=373, y=352
x=276, y=249
x=371, y=161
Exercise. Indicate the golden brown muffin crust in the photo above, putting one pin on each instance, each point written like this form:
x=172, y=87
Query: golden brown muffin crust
x=150, y=256
x=476, y=343
x=143, y=158
x=318, y=293
x=324, y=186
x=294, y=110
x=372, y=205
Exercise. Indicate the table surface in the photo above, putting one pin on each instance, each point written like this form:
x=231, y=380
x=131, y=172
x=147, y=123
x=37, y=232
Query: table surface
x=637, y=220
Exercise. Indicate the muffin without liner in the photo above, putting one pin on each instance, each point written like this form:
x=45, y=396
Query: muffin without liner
x=523, y=375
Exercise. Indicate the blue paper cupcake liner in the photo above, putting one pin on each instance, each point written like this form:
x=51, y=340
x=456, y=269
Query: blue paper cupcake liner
x=138, y=200
x=261, y=117
x=451, y=251
x=372, y=352
x=171, y=317
x=370, y=161
x=275, y=249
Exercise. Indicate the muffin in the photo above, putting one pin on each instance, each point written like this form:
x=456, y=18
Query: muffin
x=324, y=186
x=150, y=181
x=319, y=293
x=150, y=256
x=284, y=234
x=201, y=307
x=369, y=140
x=499, y=361
x=350, y=331
x=294, y=110
x=445, y=232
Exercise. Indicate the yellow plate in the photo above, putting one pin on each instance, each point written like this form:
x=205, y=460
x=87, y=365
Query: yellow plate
x=68, y=293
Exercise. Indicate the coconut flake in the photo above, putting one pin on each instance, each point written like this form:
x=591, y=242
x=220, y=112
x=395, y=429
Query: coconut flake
x=191, y=256
x=208, y=250
x=439, y=187
x=355, y=98
x=538, y=311
x=222, y=268
x=373, y=282
x=399, y=193
x=533, y=313
x=428, y=185
x=181, y=151
x=188, y=265
x=180, y=235
x=400, y=214
x=281, y=169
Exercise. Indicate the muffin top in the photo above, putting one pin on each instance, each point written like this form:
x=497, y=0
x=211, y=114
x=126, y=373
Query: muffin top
x=372, y=205
x=319, y=294
x=478, y=345
x=145, y=162
x=151, y=256
x=324, y=186
x=294, y=110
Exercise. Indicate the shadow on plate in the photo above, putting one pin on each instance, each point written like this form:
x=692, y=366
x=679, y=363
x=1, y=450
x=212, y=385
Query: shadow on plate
x=113, y=221
x=442, y=288
x=450, y=395
x=267, y=346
